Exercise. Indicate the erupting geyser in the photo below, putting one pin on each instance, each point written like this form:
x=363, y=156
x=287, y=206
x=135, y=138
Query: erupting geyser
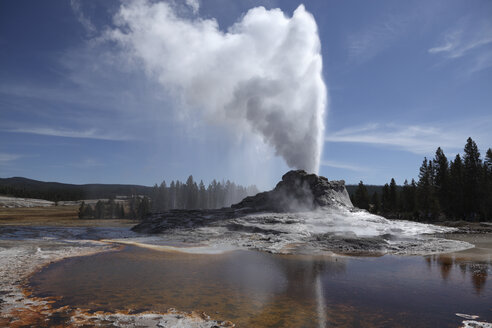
x=262, y=76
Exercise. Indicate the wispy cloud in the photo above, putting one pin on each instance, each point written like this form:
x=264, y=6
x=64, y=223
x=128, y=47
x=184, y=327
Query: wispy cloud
x=369, y=42
x=418, y=139
x=467, y=40
x=81, y=17
x=457, y=45
x=345, y=166
x=5, y=157
x=85, y=134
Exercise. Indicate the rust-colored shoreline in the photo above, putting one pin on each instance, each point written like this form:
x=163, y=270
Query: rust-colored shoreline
x=33, y=311
x=25, y=280
x=36, y=311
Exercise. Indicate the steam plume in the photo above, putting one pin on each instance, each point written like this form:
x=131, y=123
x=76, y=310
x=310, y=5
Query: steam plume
x=263, y=75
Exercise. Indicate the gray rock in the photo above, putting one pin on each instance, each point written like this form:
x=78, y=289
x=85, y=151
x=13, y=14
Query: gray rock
x=298, y=191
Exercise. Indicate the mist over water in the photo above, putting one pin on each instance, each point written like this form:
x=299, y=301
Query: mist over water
x=260, y=77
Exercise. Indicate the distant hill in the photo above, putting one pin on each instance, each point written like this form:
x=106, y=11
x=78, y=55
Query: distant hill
x=55, y=191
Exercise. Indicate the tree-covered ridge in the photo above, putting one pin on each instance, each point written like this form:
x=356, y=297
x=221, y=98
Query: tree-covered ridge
x=460, y=189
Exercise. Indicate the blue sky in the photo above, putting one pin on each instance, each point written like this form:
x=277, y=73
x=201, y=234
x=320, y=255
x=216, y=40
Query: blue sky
x=403, y=77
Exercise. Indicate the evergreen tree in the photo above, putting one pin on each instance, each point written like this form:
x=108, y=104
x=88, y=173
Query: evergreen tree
x=441, y=181
x=427, y=202
x=375, y=203
x=121, y=212
x=82, y=210
x=471, y=179
x=488, y=185
x=172, y=195
x=163, y=195
x=488, y=160
x=111, y=208
x=456, y=192
x=393, y=197
x=385, y=199
x=361, y=196
x=407, y=199
x=191, y=193
x=143, y=208
x=99, y=210
x=202, y=195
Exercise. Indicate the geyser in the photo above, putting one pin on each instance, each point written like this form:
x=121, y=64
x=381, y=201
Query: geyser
x=303, y=213
x=262, y=76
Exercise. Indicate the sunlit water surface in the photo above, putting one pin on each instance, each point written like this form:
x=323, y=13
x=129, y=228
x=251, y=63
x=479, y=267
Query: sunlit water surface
x=254, y=289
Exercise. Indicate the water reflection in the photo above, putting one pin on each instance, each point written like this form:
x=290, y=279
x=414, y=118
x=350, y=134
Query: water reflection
x=255, y=289
x=477, y=271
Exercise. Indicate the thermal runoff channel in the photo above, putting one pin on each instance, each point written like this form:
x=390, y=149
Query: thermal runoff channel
x=261, y=77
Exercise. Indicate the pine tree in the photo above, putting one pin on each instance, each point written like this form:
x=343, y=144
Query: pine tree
x=190, y=193
x=441, y=181
x=99, y=210
x=202, y=195
x=488, y=160
x=393, y=197
x=361, y=196
x=385, y=199
x=172, y=195
x=143, y=208
x=471, y=179
x=456, y=192
x=427, y=202
x=82, y=210
x=163, y=197
x=488, y=183
x=375, y=203
x=407, y=199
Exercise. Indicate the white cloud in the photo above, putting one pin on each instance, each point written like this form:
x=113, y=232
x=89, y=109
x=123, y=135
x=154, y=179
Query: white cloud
x=418, y=139
x=4, y=157
x=345, y=166
x=194, y=5
x=85, y=134
x=469, y=39
x=457, y=46
x=81, y=17
x=263, y=76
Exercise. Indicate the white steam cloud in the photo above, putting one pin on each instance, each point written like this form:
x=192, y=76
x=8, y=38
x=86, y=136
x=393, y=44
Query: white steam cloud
x=262, y=76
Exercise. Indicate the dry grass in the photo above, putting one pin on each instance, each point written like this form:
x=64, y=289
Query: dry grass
x=54, y=216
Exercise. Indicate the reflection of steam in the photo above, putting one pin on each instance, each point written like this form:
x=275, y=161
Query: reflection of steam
x=320, y=300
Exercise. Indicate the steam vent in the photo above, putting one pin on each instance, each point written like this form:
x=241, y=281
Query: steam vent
x=297, y=192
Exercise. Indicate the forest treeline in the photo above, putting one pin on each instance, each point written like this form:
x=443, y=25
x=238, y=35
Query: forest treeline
x=178, y=195
x=193, y=195
x=188, y=195
x=460, y=189
x=135, y=208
